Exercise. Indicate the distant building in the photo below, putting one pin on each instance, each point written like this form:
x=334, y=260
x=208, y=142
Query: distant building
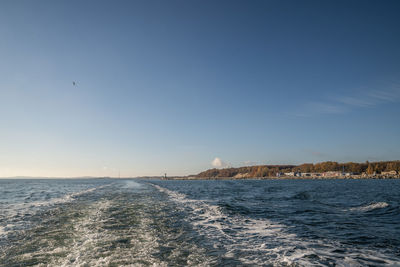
x=332, y=174
x=292, y=174
x=389, y=173
x=348, y=174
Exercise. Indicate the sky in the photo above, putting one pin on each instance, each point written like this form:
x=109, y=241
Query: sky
x=178, y=87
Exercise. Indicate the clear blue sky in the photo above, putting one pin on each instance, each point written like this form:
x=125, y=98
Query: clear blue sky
x=168, y=86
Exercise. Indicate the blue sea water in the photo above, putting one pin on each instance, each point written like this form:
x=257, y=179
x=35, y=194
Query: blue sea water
x=131, y=222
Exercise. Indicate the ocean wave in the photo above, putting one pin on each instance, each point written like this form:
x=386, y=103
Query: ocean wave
x=302, y=195
x=60, y=200
x=13, y=213
x=243, y=233
x=261, y=241
x=132, y=184
x=2, y=231
x=95, y=238
x=100, y=239
x=369, y=207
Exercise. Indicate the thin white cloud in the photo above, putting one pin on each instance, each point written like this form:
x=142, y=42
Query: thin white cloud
x=327, y=108
x=355, y=101
x=344, y=104
x=384, y=96
x=218, y=163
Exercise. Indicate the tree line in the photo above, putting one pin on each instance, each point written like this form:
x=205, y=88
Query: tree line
x=272, y=170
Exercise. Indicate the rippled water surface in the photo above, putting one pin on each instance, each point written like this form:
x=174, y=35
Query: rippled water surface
x=104, y=222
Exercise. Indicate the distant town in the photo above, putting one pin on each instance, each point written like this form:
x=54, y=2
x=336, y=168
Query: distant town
x=328, y=169
x=338, y=174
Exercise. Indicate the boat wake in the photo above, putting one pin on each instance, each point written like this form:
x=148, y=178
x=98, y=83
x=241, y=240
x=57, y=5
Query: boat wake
x=257, y=241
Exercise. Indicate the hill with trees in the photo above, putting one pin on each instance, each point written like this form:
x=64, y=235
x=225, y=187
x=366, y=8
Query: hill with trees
x=271, y=170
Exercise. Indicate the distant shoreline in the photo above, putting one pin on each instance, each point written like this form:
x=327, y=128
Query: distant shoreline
x=192, y=178
x=351, y=177
x=321, y=170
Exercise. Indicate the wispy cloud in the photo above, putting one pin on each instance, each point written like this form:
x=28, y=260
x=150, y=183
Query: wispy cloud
x=385, y=96
x=356, y=102
x=344, y=104
x=311, y=109
x=327, y=108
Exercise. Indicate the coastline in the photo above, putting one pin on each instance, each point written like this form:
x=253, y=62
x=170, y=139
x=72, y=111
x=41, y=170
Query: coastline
x=359, y=177
x=320, y=170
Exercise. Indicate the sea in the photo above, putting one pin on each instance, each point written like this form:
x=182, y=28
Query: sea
x=134, y=222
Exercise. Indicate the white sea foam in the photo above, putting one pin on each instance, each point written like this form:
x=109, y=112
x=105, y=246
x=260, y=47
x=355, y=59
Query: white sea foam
x=92, y=234
x=88, y=248
x=251, y=238
x=3, y=232
x=13, y=212
x=369, y=207
x=91, y=240
x=60, y=200
x=133, y=184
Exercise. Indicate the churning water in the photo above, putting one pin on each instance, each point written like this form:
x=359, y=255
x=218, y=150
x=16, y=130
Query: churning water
x=104, y=222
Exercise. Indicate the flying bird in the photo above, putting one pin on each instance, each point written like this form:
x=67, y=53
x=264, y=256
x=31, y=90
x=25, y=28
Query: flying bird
x=74, y=83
